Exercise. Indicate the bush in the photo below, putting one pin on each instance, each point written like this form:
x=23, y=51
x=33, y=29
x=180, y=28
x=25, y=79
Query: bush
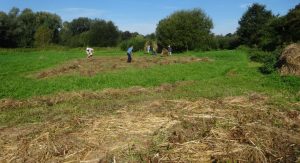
x=227, y=42
x=260, y=56
x=268, y=59
x=244, y=48
x=269, y=65
x=137, y=42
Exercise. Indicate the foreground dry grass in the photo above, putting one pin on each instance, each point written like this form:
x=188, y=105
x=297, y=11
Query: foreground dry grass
x=154, y=129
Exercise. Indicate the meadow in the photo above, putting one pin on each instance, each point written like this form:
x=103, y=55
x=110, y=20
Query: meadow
x=157, y=108
x=230, y=73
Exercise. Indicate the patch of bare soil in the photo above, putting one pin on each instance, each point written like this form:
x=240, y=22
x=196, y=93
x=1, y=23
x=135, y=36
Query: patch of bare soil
x=92, y=66
x=232, y=129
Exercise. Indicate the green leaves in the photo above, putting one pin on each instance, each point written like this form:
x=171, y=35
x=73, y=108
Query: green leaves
x=252, y=23
x=184, y=30
x=43, y=36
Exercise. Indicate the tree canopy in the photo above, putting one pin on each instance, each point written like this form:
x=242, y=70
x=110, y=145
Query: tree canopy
x=18, y=28
x=253, y=23
x=184, y=30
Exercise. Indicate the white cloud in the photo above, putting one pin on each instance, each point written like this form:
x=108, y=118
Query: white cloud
x=71, y=13
x=245, y=5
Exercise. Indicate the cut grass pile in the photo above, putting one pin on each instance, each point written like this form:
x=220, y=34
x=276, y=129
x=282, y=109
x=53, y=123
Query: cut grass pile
x=142, y=124
x=96, y=65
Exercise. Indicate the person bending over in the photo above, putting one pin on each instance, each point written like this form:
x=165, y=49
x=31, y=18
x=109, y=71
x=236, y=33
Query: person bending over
x=129, y=54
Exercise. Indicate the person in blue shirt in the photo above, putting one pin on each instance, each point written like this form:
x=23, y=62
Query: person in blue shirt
x=129, y=53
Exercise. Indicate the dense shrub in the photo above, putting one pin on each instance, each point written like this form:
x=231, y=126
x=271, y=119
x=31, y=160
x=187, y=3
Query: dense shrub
x=137, y=42
x=269, y=64
x=229, y=41
x=259, y=55
x=268, y=59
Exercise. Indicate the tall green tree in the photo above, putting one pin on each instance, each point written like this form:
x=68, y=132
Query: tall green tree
x=12, y=27
x=51, y=21
x=291, y=25
x=253, y=23
x=281, y=30
x=43, y=36
x=103, y=34
x=18, y=28
x=75, y=33
x=80, y=25
x=126, y=35
x=27, y=21
x=185, y=30
x=5, y=40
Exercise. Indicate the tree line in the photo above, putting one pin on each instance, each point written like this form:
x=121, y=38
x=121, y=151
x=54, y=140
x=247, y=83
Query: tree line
x=27, y=29
x=258, y=28
x=184, y=30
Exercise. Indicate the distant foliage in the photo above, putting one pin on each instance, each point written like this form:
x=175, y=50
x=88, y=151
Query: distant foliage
x=103, y=34
x=28, y=29
x=87, y=32
x=185, y=30
x=253, y=24
x=18, y=29
x=126, y=35
x=79, y=25
x=43, y=36
x=137, y=42
x=260, y=29
x=289, y=25
x=229, y=41
x=267, y=34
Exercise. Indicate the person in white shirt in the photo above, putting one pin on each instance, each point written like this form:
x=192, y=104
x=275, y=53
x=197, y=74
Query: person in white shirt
x=148, y=49
x=89, y=52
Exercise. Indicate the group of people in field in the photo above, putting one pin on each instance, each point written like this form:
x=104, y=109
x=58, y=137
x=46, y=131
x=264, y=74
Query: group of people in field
x=148, y=48
x=151, y=49
x=90, y=51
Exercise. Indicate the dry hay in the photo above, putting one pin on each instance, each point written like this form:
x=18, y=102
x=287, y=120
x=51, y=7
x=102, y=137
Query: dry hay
x=82, y=139
x=236, y=129
x=92, y=66
x=164, y=52
x=108, y=93
x=232, y=129
x=290, y=60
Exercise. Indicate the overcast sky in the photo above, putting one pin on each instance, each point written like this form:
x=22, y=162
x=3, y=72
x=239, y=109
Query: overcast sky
x=143, y=15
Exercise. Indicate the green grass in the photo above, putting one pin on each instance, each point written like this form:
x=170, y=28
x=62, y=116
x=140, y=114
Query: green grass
x=230, y=73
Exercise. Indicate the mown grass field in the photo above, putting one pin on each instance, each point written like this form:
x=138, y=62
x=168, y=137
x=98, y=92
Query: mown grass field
x=230, y=73
x=105, y=108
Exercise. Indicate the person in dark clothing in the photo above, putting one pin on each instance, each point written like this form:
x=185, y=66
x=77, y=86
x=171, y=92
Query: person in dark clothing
x=170, y=50
x=129, y=54
x=153, y=52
